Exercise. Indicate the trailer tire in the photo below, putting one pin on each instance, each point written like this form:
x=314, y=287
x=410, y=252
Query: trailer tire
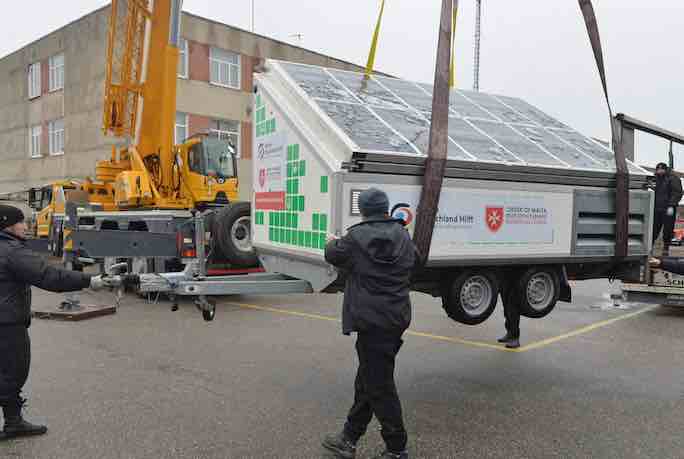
x=539, y=292
x=232, y=235
x=471, y=297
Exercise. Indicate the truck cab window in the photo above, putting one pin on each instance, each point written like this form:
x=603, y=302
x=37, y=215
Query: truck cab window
x=46, y=198
x=213, y=157
x=220, y=157
x=195, y=159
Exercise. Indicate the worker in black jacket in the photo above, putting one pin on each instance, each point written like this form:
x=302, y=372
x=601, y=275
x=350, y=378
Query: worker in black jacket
x=377, y=256
x=20, y=268
x=668, y=193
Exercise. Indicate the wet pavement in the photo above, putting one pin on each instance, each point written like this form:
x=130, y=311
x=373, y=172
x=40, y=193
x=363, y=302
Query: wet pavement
x=271, y=375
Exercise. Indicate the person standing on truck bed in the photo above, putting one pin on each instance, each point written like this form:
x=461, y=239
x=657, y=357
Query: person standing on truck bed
x=378, y=257
x=668, y=193
x=20, y=268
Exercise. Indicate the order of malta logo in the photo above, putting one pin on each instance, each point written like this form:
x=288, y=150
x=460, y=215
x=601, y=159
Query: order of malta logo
x=494, y=217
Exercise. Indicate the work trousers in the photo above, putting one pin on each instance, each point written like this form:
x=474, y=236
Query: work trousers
x=15, y=361
x=511, y=304
x=375, y=390
x=664, y=222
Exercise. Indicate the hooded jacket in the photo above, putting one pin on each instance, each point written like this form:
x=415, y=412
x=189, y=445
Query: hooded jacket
x=20, y=268
x=377, y=257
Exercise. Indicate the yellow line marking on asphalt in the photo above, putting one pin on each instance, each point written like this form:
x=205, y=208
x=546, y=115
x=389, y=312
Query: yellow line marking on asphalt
x=286, y=312
x=583, y=330
x=466, y=342
x=290, y=312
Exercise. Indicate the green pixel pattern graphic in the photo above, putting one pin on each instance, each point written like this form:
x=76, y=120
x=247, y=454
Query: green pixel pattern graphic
x=288, y=226
x=263, y=126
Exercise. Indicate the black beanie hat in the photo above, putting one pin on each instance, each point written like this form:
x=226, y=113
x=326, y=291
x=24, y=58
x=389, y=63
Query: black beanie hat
x=661, y=166
x=373, y=202
x=10, y=215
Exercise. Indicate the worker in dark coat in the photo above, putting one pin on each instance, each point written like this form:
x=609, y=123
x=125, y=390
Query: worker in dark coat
x=377, y=257
x=668, y=193
x=20, y=268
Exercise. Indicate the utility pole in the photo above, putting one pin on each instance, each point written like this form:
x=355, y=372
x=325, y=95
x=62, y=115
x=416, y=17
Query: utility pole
x=478, y=37
x=252, y=16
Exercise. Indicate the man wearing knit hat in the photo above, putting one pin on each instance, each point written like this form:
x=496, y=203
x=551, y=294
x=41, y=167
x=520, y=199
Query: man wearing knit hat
x=20, y=268
x=668, y=193
x=377, y=257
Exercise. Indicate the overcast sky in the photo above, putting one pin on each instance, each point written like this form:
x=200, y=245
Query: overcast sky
x=533, y=49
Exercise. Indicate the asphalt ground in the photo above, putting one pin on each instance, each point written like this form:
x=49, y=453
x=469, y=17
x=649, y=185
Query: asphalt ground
x=273, y=374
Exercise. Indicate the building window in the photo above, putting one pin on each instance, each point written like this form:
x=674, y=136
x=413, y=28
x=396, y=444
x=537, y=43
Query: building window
x=227, y=130
x=183, y=62
x=57, y=72
x=35, y=137
x=34, y=80
x=181, y=127
x=56, y=136
x=225, y=68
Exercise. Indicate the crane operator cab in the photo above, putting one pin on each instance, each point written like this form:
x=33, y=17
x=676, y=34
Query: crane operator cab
x=211, y=169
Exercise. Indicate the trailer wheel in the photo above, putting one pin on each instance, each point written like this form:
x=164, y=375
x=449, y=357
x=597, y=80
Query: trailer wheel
x=207, y=307
x=471, y=297
x=232, y=235
x=540, y=290
x=209, y=316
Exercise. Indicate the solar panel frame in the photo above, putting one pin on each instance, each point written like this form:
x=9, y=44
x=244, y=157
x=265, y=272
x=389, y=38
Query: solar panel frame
x=398, y=113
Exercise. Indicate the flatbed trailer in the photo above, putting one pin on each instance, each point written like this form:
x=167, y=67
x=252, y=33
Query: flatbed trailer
x=196, y=279
x=658, y=287
x=653, y=294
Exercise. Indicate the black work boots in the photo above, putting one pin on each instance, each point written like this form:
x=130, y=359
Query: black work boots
x=18, y=427
x=510, y=341
x=340, y=445
x=15, y=425
x=391, y=455
x=506, y=338
x=344, y=448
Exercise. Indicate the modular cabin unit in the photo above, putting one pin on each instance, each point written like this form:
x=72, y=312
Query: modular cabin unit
x=525, y=198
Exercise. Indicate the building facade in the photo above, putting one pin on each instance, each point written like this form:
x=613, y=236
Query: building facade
x=52, y=92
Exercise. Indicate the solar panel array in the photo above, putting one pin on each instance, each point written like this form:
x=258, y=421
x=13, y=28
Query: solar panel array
x=391, y=115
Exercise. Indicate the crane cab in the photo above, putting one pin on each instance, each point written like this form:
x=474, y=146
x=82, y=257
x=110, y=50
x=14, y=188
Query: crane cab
x=208, y=167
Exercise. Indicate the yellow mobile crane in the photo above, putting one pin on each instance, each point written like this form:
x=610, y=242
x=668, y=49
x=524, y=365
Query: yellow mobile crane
x=151, y=177
x=140, y=106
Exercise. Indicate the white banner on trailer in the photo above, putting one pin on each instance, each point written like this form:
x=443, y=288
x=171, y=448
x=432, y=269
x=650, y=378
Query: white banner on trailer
x=490, y=222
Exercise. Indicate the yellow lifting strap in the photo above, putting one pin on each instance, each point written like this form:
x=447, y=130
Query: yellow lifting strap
x=376, y=34
x=374, y=43
x=452, y=68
